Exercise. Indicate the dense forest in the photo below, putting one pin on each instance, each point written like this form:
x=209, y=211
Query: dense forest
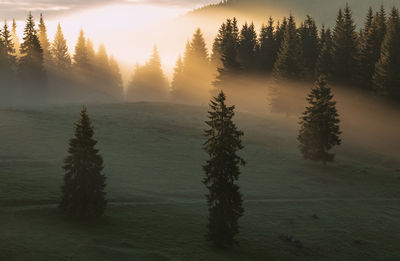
x=366, y=58
x=39, y=71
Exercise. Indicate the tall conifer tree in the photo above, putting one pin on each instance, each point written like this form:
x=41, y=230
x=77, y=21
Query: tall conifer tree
x=324, y=64
x=268, y=47
x=345, y=48
x=229, y=53
x=387, y=71
x=83, y=191
x=31, y=70
x=15, y=38
x=61, y=56
x=310, y=44
x=290, y=61
x=45, y=44
x=6, y=70
x=222, y=172
x=319, y=125
x=81, y=60
x=370, y=49
x=248, y=47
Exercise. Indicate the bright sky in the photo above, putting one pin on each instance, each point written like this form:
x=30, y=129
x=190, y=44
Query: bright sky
x=127, y=29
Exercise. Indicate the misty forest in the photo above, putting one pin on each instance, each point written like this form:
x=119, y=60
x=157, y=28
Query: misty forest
x=263, y=137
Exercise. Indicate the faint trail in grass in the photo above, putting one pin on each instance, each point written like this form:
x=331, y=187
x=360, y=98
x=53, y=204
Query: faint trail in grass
x=186, y=202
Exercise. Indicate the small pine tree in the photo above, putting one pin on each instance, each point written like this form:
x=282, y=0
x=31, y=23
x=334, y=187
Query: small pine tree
x=222, y=171
x=15, y=38
x=59, y=49
x=45, y=44
x=248, y=47
x=268, y=47
x=370, y=48
x=229, y=53
x=178, y=79
x=30, y=68
x=8, y=42
x=345, y=48
x=81, y=59
x=386, y=78
x=325, y=60
x=6, y=72
x=290, y=61
x=83, y=195
x=310, y=44
x=319, y=125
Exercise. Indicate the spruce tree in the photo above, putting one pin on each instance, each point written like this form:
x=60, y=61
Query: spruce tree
x=8, y=42
x=345, y=48
x=229, y=53
x=15, y=38
x=83, y=192
x=380, y=23
x=310, y=44
x=30, y=68
x=195, y=74
x=290, y=61
x=387, y=70
x=178, y=80
x=248, y=47
x=116, y=78
x=370, y=49
x=148, y=81
x=222, y=172
x=81, y=59
x=199, y=49
x=324, y=64
x=216, y=55
x=61, y=56
x=268, y=47
x=280, y=32
x=6, y=71
x=45, y=44
x=319, y=125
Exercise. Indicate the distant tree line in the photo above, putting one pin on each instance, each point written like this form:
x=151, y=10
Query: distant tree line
x=37, y=70
x=367, y=59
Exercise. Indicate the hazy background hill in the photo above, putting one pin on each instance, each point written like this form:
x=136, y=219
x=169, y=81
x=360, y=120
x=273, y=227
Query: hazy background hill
x=324, y=11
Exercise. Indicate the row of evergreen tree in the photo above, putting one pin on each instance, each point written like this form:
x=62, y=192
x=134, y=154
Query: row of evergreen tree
x=368, y=59
x=38, y=70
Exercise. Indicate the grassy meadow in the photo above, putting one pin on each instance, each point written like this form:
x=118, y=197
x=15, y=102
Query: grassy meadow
x=294, y=209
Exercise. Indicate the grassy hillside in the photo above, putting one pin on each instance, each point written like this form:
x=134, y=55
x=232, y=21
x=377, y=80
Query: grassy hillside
x=323, y=11
x=153, y=157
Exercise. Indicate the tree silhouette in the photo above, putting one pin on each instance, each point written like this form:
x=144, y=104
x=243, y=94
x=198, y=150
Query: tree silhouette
x=290, y=61
x=15, y=38
x=319, y=125
x=222, y=171
x=248, y=47
x=268, y=47
x=310, y=44
x=83, y=192
x=345, y=51
x=45, y=44
x=59, y=50
x=32, y=76
x=148, y=81
x=324, y=64
x=229, y=44
x=387, y=71
x=193, y=74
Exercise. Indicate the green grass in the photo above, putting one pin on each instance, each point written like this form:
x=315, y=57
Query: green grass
x=157, y=211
